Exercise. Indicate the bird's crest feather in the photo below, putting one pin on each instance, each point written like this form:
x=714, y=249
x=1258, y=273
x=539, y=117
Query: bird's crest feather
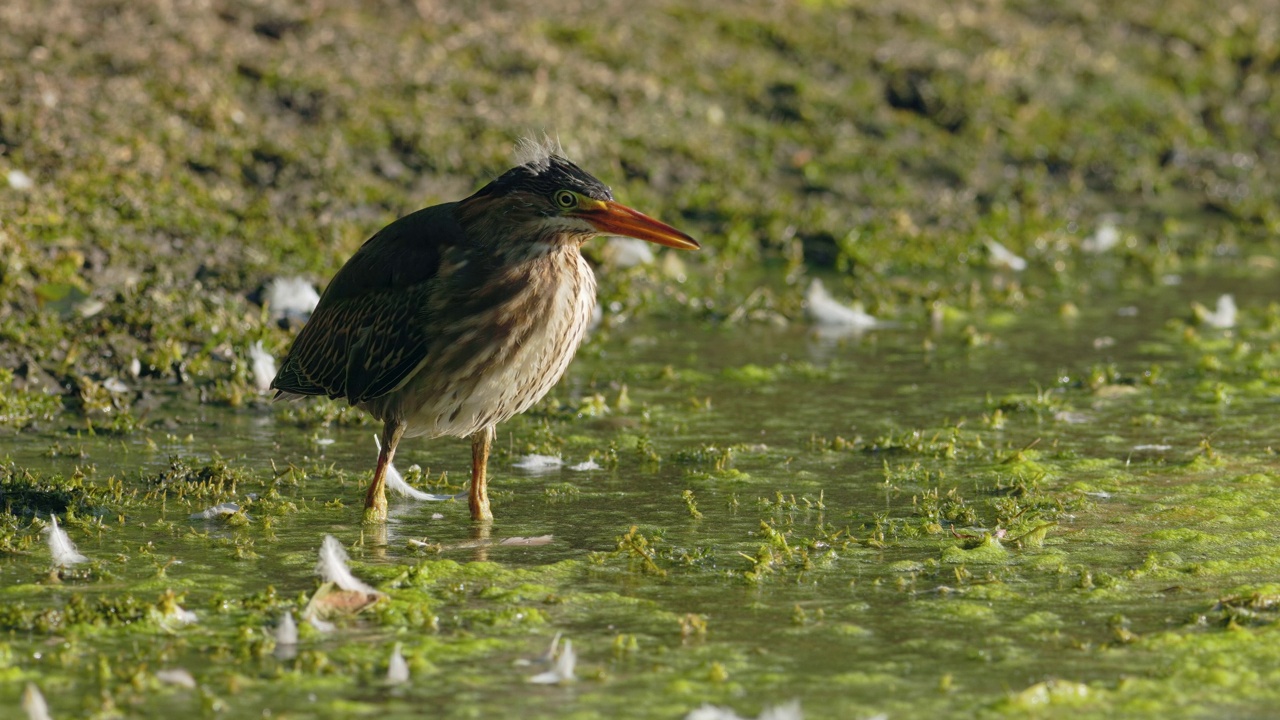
x=536, y=154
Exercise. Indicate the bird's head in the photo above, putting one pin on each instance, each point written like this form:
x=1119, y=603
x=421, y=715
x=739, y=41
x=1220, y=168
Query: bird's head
x=549, y=199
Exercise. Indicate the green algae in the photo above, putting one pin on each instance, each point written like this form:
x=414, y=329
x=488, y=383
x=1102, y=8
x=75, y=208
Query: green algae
x=985, y=552
x=970, y=514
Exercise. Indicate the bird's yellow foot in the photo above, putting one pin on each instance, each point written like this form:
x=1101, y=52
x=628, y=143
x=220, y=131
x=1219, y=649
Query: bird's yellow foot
x=376, y=511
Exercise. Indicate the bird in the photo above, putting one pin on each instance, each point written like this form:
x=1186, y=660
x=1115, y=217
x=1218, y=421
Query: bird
x=457, y=317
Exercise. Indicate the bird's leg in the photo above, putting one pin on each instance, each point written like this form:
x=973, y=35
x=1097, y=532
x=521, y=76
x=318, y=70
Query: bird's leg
x=478, y=497
x=480, y=537
x=375, y=502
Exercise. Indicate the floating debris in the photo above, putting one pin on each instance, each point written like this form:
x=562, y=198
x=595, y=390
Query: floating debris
x=1223, y=317
x=217, y=511
x=787, y=711
x=585, y=466
x=622, y=253
x=545, y=657
x=177, y=676
x=320, y=625
x=331, y=601
x=823, y=309
x=1152, y=448
x=528, y=541
x=264, y=366
x=1051, y=693
x=397, y=669
x=1002, y=256
x=286, y=630
x=1103, y=239
x=333, y=568
x=90, y=307
x=171, y=615
x=561, y=671
x=342, y=593
x=286, y=635
x=485, y=542
x=290, y=298
x=64, y=551
x=538, y=463
x=19, y=180
x=33, y=702
x=115, y=385
x=395, y=481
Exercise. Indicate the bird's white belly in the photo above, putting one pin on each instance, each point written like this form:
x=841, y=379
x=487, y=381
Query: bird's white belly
x=522, y=378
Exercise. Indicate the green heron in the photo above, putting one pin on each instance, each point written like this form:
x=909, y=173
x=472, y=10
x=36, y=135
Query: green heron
x=459, y=316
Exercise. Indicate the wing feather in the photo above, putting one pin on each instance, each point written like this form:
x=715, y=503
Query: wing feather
x=372, y=327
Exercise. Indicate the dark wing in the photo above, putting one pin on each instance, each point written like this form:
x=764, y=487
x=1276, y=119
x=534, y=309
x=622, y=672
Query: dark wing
x=368, y=331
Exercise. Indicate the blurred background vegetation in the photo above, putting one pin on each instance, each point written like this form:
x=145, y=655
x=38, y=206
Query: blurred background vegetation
x=167, y=158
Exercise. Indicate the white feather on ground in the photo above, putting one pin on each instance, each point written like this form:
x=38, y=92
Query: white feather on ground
x=528, y=541
x=397, y=668
x=287, y=630
x=291, y=297
x=320, y=625
x=264, y=366
x=561, y=668
x=1223, y=316
x=538, y=463
x=19, y=180
x=622, y=253
x=64, y=551
x=545, y=657
x=33, y=702
x=176, y=676
x=173, y=617
x=1002, y=256
x=1103, y=239
x=786, y=711
x=826, y=310
x=333, y=568
x=215, y=512
x=395, y=481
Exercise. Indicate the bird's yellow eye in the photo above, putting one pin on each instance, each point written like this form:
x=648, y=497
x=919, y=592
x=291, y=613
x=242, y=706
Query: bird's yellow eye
x=566, y=199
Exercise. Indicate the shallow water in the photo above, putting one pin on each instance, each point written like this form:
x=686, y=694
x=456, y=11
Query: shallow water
x=862, y=604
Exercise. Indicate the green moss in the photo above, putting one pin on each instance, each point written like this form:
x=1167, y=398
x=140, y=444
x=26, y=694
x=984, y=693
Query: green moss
x=986, y=551
x=879, y=148
x=966, y=611
x=1186, y=538
x=19, y=407
x=751, y=374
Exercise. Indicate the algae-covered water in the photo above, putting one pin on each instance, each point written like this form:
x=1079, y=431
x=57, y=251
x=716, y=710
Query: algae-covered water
x=1073, y=516
x=1047, y=488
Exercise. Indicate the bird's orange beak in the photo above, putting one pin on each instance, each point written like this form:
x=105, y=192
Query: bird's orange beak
x=612, y=218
